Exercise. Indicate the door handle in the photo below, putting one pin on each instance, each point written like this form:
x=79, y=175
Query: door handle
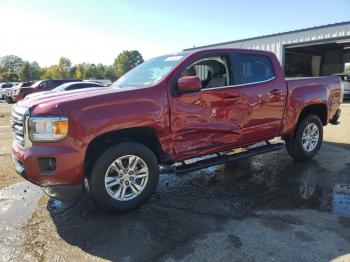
x=232, y=98
x=275, y=91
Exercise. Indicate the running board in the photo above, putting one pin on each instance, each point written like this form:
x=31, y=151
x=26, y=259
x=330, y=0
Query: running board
x=220, y=159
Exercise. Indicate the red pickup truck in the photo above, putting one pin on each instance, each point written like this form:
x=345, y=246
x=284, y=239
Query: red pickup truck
x=186, y=111
x=40, y=86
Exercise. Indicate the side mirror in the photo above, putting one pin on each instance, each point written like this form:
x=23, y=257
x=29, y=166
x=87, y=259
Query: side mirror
x=189, y=84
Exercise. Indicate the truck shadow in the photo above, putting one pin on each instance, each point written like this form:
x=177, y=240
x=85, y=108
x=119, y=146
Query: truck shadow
x=346, y=101
x=187, y=207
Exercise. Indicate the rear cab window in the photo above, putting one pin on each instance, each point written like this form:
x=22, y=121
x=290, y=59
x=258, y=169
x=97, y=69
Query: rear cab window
x=252, y=68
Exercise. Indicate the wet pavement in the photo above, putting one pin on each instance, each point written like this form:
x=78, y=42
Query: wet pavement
x=268, y=207
x=17, y=204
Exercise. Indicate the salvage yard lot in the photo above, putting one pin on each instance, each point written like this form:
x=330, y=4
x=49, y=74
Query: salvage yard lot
x=249, y=210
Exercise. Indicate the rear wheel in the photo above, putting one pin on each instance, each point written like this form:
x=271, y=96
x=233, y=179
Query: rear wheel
x=124, y=176
x=8, y=100
x=307, y=139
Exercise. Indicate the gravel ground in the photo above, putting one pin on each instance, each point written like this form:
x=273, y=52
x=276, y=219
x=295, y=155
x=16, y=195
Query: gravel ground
x=249, y=210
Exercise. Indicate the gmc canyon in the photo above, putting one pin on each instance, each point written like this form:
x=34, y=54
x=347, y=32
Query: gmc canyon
x=185, y=111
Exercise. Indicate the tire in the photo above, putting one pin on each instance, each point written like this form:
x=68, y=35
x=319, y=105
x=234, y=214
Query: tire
x=109, y=178
x=8, y=100
x=295, y=146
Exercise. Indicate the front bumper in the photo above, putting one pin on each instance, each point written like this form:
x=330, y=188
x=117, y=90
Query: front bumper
x=62, y=192
x=335, y=118
x=65, y=182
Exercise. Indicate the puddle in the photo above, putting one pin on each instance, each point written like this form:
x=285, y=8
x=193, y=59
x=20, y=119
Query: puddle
x=341, y=199
x=335, y=199
x=263, y=183
x=17, y=203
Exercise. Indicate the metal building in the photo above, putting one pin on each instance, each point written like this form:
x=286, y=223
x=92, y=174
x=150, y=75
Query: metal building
x=316, y=51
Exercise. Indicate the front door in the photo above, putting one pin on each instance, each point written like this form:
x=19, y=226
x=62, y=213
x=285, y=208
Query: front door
x=205, y=120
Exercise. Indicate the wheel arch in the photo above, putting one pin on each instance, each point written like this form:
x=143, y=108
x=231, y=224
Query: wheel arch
x=319, y=110
x=144, y=135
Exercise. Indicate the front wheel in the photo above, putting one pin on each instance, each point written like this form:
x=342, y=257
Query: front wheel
x=124, y=176
x=307, y=139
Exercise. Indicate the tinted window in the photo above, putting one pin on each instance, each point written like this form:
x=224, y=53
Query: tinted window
x=48, y=84
x=7, y=85
x=212, y=71
x=254, y=68
x=55, y=83
x=76, y=86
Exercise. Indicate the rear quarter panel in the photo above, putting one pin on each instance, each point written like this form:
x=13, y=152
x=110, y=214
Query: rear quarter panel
x=303, y=92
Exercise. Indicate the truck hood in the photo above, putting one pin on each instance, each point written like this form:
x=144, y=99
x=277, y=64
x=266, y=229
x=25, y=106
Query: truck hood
x=53, y=99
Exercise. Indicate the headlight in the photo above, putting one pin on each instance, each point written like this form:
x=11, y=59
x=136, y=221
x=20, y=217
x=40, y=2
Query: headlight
x=47, y=128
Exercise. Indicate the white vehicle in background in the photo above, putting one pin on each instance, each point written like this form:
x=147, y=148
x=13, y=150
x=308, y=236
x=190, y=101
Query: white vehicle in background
x=345, y=78
x=105, y=82
x=8, y=93
x=66, y=87
x=5, y=88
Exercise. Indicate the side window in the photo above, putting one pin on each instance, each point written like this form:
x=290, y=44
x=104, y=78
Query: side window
x=212, y=71
x=48, y=84
x=254, y=68
x=44, y=84
x=76, y=86
x=56, y=83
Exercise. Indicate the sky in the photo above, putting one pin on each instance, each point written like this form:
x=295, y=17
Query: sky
x=94, y=31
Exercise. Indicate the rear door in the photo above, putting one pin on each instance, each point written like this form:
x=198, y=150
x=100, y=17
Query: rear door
x=262, y=93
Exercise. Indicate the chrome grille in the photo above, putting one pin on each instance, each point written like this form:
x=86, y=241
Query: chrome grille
x=17, y=122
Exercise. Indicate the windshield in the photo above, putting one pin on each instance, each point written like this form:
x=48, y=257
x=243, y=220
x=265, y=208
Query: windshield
x=149, y=73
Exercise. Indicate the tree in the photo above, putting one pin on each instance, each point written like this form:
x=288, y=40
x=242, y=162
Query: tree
x=8, y=77
x=24, y=72
x=110, y=73
x=80, y=71
x=126, y=61
x=51, y=72
x=35, y=71
x=10, y=63
x=64, y=67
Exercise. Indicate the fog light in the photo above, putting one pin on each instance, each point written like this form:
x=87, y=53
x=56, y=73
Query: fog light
x=47, y=164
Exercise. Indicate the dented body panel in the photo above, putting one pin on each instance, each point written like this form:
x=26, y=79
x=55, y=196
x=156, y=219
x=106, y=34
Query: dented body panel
x=186, y=126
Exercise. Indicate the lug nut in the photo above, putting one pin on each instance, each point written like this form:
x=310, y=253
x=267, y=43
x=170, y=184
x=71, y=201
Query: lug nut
x=121, y=181
x=127, y=183
x=131, y=178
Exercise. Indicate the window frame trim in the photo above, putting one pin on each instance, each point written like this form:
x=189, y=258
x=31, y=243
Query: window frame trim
x=240, y=85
